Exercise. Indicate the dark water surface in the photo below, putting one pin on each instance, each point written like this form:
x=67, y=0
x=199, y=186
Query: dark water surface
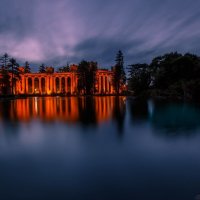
x=101, y=148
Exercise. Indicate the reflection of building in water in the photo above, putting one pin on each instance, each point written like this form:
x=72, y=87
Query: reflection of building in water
x=104, y=108
x=47, y=109
x=68, y=109
x=49, y=83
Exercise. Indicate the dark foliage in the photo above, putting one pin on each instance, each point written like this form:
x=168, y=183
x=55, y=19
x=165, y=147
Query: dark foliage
x=87, y=77
x=42, y=68
x=119, y=77
x=64, y=68
x=27, y=68
x=171, y=75
x=15, y=73
x=140, y=78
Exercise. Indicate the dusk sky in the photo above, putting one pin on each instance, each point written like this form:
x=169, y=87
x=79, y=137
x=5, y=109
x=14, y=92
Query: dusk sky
x=55, y=32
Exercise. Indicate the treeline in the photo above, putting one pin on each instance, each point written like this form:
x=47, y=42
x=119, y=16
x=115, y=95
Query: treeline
x=172, y=75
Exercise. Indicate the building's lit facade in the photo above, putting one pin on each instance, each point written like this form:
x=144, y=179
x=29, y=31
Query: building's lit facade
x=61, y=83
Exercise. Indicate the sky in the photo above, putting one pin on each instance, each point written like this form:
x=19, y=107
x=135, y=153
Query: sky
x=55, y=32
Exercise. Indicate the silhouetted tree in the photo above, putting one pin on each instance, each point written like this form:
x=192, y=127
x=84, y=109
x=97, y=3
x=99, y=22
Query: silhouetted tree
x=4, y=60
x=64, y=68
x=27, y=68
x=15, y=73
x=87, y=76
x=42, y=68
x=163, y=70
x=139, y=78
x=119, y=77
x=177, y=75
x=5, y=77
x=5, y=81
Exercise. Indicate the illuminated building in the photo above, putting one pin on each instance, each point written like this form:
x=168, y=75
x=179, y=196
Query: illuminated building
x=50, y=82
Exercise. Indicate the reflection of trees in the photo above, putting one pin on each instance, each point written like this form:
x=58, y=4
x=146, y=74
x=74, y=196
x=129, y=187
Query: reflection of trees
x=174, y=118
x=119, y=112
x=8, y=115
x=5, y=108
x=168, y=118
x=138, y=110
x=87, y=114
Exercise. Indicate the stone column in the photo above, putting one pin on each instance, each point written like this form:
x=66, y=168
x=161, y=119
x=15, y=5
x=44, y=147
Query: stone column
x=99, y=84
x=47, y=85
x=72, y=82
x=104, y=89
x=66, y=85
x=51, y=84
x=26, y=85
x=40, y=85
x=60, y=84
x=33, y=86
x=108, y=81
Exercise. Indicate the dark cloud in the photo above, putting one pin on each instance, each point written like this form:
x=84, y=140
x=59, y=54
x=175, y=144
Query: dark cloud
x=60, y=31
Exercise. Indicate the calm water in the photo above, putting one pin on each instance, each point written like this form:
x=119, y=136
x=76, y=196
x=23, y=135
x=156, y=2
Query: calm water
x=101, y=148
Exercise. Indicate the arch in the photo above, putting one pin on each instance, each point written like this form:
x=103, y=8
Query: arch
x=57, y=84
x=69, y=84
x=63, y=85
x=43, y=84
x=36, y=85
x=30, y=85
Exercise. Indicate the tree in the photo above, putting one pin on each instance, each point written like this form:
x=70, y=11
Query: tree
x=64, y=68
x=163, y=70
x=176, y=75
x=4, y=60
x=139, y=78
x=27, y=67
x=87, y=77
x=119, y=77
x=15, y=73
x=42, y=68
x=5, y=80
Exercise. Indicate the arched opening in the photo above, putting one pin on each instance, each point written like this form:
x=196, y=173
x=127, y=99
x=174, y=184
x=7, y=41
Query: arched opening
x=30, y=85
x=69, y=85
x=63, y=85
x=57, y=85
x=43, y=83
x=36, y=85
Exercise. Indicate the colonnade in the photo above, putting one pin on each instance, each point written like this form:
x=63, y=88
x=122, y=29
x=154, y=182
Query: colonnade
x=57, y=83
x=105, y=83
x=61, y=83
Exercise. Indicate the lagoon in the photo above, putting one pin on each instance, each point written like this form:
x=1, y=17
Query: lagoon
x=99, y=148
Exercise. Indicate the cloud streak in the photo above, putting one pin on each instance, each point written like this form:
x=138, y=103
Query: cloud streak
x=55, y=32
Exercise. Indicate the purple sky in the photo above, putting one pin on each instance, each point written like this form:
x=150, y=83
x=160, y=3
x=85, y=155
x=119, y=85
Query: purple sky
x=55, y=32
